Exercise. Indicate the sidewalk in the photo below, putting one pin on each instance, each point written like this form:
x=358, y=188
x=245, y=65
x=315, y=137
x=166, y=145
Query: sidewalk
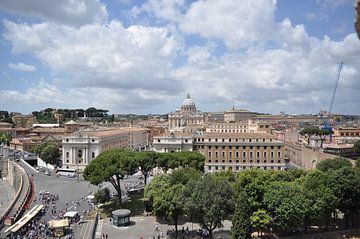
x=7, y=194
x=144, y=227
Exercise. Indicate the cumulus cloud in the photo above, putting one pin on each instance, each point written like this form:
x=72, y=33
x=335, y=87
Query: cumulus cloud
x=22, y=67
x=99, y=55
x=43, y=94
x=170, y=10
x=265, y=65
x=71, y=12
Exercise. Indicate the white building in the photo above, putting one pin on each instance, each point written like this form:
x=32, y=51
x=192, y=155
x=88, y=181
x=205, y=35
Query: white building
x=173, y=142
x=80, y=148
x=186, y=115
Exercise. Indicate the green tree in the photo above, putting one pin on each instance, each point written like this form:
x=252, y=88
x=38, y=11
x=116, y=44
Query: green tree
x=209, y=201
x=260, y=220
x=333, y=164
x=146, y=161
x=255, y=182
x=166, y=193
x=322, y=133
x=287, y=204
x=321, y=197
x=5, y=139
x=50, y=153
x=102, y=195
x=357, y=147
x=308, y=132
x=181, y=159
x=345, y=184
x=357, y=163
x=169, y=204
x=241, y=222
x=111, y=166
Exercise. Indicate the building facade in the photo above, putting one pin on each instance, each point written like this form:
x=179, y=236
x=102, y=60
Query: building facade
x=186, y=115
x=173, y=142
x=238, y=151
x=24, y=121
x=235, y=115
x=81, y=147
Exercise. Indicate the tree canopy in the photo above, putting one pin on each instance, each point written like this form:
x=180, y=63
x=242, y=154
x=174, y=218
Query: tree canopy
x=166, y=193
x=49, y=152
x=241, y=221
x=333, y=164
x=209, y=201
x=111, y=166
x=5, y=139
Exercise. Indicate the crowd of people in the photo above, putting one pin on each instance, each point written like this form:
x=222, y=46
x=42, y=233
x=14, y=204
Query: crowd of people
x=38, y=228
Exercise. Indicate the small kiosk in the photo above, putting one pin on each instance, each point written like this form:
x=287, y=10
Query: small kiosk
x=59, y=226
x=121, y=217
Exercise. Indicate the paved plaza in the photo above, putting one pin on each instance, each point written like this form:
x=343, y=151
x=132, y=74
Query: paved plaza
x=7, y=194
x=144, y=227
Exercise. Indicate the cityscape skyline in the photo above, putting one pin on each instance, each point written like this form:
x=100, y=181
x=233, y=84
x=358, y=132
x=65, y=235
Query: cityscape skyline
x=143, y=57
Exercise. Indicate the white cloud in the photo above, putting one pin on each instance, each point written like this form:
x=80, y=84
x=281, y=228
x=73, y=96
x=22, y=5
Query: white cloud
x=239, y=24
x=294, y=79
x=98, y=55
x=267, y=65
x=71, y=12
x=169, y=10
x=22, y=67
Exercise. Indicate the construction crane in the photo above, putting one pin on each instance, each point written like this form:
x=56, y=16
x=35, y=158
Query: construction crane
x=327, y=121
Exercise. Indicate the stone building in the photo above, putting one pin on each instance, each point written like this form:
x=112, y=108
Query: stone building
x=24, y=121
x=81, y=147
x=237, y=151
x=235, y=115
x=187, y=114
x=173, y=142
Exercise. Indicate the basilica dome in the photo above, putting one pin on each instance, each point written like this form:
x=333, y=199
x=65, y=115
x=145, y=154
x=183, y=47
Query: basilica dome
x=188, y=101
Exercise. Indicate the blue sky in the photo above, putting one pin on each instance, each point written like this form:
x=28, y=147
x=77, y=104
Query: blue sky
x=132, y=56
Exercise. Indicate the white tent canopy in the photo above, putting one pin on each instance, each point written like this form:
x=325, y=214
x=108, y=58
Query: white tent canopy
x=91, y=197
x=70, y=214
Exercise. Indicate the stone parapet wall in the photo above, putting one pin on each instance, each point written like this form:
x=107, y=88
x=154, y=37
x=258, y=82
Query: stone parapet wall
x=305, y=157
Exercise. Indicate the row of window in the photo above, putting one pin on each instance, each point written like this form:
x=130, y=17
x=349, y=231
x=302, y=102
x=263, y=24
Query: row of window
x=67, y=140
x=244, y=161
x=228, y=126
x=251, y=154
x=229, y=131
x=244, y=147
x=237, y=168
x=231, y=140
x=80, y=154
x=167, y=140
x=349, y=134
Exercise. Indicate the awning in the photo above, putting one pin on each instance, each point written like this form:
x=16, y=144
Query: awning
x=58, y=223
x=70, y=214
x=91, y=197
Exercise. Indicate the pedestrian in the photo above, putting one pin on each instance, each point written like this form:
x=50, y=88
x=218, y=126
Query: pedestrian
x=156, y=227
x=106, y=236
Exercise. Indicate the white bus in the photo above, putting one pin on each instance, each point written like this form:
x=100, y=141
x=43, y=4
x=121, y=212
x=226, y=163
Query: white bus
x=66, y=172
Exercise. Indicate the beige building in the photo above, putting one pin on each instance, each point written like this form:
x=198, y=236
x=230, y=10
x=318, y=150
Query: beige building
x=24, y=121
x=237, y=151
x=235, y=115
x=80, y=148
x=173, y=142
x=346, y=135
x=186, y=115
x=239, y=127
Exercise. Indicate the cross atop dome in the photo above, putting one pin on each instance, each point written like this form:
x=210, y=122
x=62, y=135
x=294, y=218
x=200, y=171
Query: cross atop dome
x=188, y=96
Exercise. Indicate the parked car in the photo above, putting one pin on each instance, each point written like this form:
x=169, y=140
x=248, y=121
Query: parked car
x=47, y=173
